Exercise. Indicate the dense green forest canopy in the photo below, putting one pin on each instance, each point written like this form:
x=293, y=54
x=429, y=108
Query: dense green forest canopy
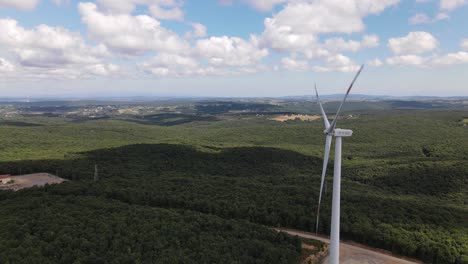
x=46, y=228
x=404, y=174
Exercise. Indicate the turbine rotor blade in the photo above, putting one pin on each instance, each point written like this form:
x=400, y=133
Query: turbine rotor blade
x=333, y=124
x=324, y=115
x=326, y=155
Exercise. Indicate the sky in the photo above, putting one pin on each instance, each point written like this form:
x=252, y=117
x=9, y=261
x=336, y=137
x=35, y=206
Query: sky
x=232, y=48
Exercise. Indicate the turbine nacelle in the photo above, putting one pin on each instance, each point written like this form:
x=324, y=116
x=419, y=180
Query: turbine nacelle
x=338, y=132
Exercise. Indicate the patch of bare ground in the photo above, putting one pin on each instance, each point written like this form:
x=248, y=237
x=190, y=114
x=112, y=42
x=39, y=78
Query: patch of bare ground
x=31, y=180
x=284, y=118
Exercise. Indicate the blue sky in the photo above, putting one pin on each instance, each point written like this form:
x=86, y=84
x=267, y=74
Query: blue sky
x=57, y=48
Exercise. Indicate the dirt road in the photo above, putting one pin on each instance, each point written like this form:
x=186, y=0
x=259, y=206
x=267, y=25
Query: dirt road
x=351, y=253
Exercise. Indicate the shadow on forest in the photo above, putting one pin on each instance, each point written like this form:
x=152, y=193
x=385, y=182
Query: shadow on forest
x=220, y=107
x=154, y=159
x=170, y=119
x=18, y=124
x=86, y=119
x=269, y=186
x=241, y=182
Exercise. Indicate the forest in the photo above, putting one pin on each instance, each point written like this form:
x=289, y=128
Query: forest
x=45, y=228
x=404, y=186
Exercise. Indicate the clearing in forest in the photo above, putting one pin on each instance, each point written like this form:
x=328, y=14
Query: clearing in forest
x=31, y=180
x=284, y=118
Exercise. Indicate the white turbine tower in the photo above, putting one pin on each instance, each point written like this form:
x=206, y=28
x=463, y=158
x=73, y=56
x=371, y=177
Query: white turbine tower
x=330, y=132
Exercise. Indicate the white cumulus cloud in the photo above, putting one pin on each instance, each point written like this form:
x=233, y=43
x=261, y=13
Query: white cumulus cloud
x=230, y=51
x=160, y=9
x=173, y=13
x=264, y=5
x=414, y=60
x=19, y=4
x=46, y=51
x=375, y=62
x=464, y=44
x=103, y=69
x=339, y=44
x=293, y=64
x=61, y=2
x=337, y=62
x=301, y=24
x=173, y=65
x=121, y=6
x=451, y=4
x=6, y=66
x=46, y=46
x=420, y=18
x=460, y=57
x=441, y=16
x=130, y=35
x=199, y=31
x=165, y=64
x=413, y=43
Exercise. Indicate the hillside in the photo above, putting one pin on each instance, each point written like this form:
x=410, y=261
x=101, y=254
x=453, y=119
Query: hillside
x=404, y=187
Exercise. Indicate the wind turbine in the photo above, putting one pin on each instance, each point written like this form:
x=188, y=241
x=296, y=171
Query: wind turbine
x=330, y=132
